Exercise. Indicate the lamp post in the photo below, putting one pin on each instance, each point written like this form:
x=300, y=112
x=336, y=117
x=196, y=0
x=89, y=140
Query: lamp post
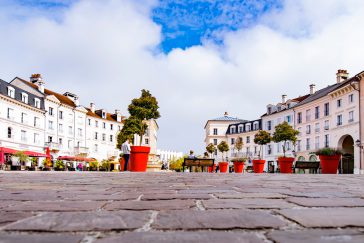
x=360, y=146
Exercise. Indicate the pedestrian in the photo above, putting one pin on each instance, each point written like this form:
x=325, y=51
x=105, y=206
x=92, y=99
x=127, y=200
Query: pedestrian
x=191, y=156
x=125, y=147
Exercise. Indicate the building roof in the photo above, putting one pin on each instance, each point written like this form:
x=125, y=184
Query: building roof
x=109, y=116
x=226, y=118
x=63, y=99
x=297, y=99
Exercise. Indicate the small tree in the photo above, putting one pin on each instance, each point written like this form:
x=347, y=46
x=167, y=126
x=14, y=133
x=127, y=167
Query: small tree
x=22, y=157
x=239, y=144
x=223, y=147
x=131, y=127
x=210, y=149
x=284, y=133
x=262, y=138
x=59, y=164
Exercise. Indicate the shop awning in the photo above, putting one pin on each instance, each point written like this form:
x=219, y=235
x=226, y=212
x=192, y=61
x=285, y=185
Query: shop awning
x=75, y=158
x=7, y=150
x=34, y=154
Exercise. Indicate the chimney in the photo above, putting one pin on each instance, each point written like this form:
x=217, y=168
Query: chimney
x=312, y=89
x=226, y=113
x=92, y=107
x=284, y=98
x=118, y=115
x=37, y=79
x=341, y=75
x=73, y=97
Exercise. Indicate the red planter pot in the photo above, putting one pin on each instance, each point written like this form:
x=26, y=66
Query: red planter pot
x=223, y=167
x=122, y=163
x=258, y=165
x=285, y=164
x=329, y=164
x=139, y=158
x=238, y=167
x=211, y=169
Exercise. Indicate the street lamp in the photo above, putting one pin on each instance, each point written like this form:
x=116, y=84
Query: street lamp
x=358, y=144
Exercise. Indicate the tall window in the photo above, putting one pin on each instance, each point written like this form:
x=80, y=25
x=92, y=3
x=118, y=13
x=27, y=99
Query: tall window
x=232, y=141
x=269, y=125
x=339, y=120
x=317, y=112
x=104, y=125
x=111, y=138
x=351, y=116
x=327, y=125
x=298, y=145
x=317, y=142
x=351, y=98
x=70, y=130
x=23, y=118
x=339, y=103
x=288, y=119
x=24, y=98
x=308, y=115
x=326, y=109
x=146, y=141
x=36, y=121
x=241, y=129
x=326, y=143
x=96, y=135
x=232, y=129
x=10, y=132
x=269, y=149
x=111, y=127
x=10, y=114
x=96, y=124
x=60, y=114
x=50, y=125
x=308, y=144
x=103, y=137
x=317, y=127
x=50, y=139
x=215, y=141
x=215, y=131
x=299, y=117
x=36, y=138
x=89, y=122
x=11, y=92
x=247, y=127
x=60, y=128
x=248, y=139
x=80, y=132
x=23, y=136
x=50, y=111
x=36, y=102
x=308, y=129
x=96, y=148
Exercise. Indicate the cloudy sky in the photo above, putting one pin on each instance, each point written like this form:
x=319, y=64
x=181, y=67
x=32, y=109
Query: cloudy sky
x=199, y=58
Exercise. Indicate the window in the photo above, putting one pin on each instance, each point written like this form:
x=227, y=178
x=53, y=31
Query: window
x=60, y=141
x=326, y=127
x=278, y=147
x=11, y=92
x=288, y=146
x=269, y=110
x=50, y=111
x=60, y=115
x=36, y=138
x=248, y=139
x=89, y=122
x=317, y=142
x=300, y=131
x=69, y=145
x=232, y=141
x=96, y=124
x=95, y=148
x=298, y=145
x=119, y=128
x=24, y=118
x=10, y=132
x=103, y=114
x=60, y=128
x=308, y=115
x=70, y=130
x=351, y=116
x=111, y=127
x=215, y=152
x=339, y=103
x=308, y=129
x=241, y=130
x=104, y=125
x=326, y=109
x=146, y=141
x=317, y=112
x=50, y=139
x=232, y=129
x=24, y=98
x=36, y=122
x=269, y=149
x=339, y=120
x=351, y=98
x=288, y=119
x=215, y=141
x=247, y=127
x=50, y=125
x=269, y=125
x=103, y=137
x=36, y=102
x=10, y=114
x=23, y=136
x=96, y=135
x=79, y=132
x=326, y=143
x=256, y=126
x=299, y=117
x=308, y=145
x=317, y=127
x=111, y=138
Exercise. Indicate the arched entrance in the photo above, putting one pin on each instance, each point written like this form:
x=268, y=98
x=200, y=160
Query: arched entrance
x=346, y=144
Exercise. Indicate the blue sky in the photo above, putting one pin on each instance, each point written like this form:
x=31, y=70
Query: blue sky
x=189, y=23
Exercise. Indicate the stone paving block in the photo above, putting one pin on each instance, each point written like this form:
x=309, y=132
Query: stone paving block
x=40, y=238
x=10, y=217
x=216, y=219
x=169, y=196
x=327, y=202
x=183, y=237
x=246, y=203
x=317, y=236
x=151, y=205
x=82, y=221
x=326, y=217
x=249, y=195
x=204, y=191
x=55, y=206
x=100, y=197
x=28, y=195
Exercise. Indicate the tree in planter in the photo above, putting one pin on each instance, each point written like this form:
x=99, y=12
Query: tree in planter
x=22, y=157
x=131, y=127
x=262, y=138
x=34, y=162
x=285, y=133
x=210, y=148
x=94, y=165
x=59, y=165
x=239, y=144
x=223, y=147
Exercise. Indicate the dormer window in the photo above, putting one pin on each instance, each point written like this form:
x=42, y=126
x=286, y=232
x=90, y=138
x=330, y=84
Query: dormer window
x=269, y=110
x=279, y=108
x=232, y=129
x=247, y=127
x=241, y=129
x=24, y=98
x=103, y=114
x=11, y=92
x=37, y=103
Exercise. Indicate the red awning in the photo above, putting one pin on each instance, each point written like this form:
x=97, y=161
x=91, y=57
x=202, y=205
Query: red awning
x=75, y=158
x=8, y=150
x=34, y=154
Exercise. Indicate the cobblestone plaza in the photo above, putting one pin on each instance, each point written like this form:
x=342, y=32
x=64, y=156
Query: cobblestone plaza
x=180, y=207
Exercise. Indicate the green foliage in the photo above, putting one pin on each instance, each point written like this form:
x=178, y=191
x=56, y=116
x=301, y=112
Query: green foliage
x=94, y=164
x=239, y=144
x=210, y=148
x=239, y=159
x=47, y=163
x=21, y=156
x=328, y=152
x=223, y=147
x=284, y=133
x=262, y=138
x=59, y=164
x=132, y=126
x=105, y=165
x=34, y=162
x=176, y=164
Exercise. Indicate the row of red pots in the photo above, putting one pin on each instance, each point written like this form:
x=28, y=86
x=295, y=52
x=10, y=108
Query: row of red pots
x=329, y=165
x=138, y=159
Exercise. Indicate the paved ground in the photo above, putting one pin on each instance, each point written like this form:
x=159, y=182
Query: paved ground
x=180, y=207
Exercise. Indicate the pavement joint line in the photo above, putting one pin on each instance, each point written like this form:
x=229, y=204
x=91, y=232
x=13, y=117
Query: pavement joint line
x=147, y=227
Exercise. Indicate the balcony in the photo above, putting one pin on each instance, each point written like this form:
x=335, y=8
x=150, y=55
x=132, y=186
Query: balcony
x=52, y=146
x=326, y=127
x=81, y=150
x=351, y=120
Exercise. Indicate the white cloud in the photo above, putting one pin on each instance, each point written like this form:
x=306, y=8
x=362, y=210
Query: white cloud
x=103, y=51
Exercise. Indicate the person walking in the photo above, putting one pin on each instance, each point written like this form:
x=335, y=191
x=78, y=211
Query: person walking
x=125, y=147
